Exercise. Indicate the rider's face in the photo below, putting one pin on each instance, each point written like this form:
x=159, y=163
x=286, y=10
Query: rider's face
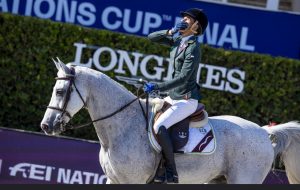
x=190, y=21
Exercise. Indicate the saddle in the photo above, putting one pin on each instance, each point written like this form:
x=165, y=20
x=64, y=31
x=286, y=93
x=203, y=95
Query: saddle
x=179, y=132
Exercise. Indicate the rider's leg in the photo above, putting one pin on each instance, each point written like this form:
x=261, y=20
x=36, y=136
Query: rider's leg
x=168, y=154
x=160, y=176
x=179, y=110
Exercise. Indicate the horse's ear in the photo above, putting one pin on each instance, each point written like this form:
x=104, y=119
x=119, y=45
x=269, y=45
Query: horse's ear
x=62, y=66
x=56, y=64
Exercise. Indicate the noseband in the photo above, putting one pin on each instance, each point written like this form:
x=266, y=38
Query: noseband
x=64, y=111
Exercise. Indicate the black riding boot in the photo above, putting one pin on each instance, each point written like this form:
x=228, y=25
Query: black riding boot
x=168, y=154
x=160, y=176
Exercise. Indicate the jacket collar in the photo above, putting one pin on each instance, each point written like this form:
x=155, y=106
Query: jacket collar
x=186, y=38
x=187, y=41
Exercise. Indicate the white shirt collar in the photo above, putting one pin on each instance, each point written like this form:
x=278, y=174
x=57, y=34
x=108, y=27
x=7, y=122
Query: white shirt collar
x=186, y=38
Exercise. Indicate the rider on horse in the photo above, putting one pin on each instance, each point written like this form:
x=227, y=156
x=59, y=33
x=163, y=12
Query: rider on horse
x=183, y=89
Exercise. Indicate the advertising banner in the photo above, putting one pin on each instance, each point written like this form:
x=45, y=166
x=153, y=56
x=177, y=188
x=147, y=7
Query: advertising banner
x=136, y=66
x=230, y=27
x=32, y=158
x=35, y=158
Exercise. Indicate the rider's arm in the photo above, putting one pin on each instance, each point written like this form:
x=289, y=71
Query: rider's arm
x=163, y=37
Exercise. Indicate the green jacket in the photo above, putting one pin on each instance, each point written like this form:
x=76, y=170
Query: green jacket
x=185, y=63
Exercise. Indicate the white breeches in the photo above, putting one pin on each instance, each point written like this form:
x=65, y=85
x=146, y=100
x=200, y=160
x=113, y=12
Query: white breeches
x=179, y=110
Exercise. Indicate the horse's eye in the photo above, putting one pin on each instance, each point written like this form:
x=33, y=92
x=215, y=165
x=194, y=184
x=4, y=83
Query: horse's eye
x=59, y=92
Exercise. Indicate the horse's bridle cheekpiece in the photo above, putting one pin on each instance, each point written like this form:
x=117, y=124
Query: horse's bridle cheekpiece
x=63, y=110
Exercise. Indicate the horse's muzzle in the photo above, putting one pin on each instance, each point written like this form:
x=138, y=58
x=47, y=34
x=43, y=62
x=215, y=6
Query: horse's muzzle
x=51, y=130
x=45, y=128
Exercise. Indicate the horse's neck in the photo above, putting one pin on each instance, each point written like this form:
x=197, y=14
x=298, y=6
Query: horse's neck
x=105, y=96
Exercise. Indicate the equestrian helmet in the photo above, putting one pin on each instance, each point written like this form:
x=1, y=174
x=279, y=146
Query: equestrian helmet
x=198, y=15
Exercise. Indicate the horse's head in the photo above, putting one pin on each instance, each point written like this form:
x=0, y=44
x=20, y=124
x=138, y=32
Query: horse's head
x=66, y=100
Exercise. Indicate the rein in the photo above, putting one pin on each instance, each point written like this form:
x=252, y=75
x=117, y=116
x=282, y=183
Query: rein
x=63, y=110
x=102, y=118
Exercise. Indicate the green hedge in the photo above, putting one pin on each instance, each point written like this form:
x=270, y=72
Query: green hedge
x=27, y=74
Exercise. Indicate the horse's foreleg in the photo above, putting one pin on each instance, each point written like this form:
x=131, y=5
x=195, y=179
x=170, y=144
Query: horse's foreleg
x=108, y=181
x=218, y=180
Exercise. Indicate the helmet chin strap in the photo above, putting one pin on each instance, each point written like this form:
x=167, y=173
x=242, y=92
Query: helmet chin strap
x=194, y=27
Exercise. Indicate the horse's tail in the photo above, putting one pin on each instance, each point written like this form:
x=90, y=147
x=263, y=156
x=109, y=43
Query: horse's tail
x=286, y=142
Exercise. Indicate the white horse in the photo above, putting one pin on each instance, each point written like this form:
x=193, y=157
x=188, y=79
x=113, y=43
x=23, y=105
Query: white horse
x=244, y=152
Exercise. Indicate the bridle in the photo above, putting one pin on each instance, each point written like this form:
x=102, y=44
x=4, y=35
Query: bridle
x=63, y=110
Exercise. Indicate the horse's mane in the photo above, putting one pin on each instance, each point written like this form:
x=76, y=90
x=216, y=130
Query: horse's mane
x=98, y=76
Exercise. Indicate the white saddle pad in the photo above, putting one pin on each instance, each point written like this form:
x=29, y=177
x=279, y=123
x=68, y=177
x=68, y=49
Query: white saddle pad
x=201, y=140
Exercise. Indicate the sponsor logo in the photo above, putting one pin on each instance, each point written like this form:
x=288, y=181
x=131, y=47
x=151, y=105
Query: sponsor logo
x=182, y=135
x=65, y=11
x=123, y=62
x=230, y=35
x=144, y=21
x=68, y=176
x=121, y=19
x=86, y=14
x=202, y=130
x=53, y=174
x=32, y=171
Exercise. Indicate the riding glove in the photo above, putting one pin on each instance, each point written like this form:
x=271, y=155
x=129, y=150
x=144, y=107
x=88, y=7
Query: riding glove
x=149, y=87
x=179, y=26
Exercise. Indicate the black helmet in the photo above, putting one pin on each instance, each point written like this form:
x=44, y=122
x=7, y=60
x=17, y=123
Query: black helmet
x=198, y=15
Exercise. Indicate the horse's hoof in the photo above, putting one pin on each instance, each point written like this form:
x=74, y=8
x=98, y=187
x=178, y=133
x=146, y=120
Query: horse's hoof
x=159, y=180
x=172, y=179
